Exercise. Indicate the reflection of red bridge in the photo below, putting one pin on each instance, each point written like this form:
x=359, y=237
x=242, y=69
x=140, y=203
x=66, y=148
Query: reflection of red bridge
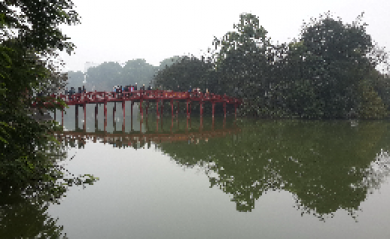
x=147, y=96
x=132, y=139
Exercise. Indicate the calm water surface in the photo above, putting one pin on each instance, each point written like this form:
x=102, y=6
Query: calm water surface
x=174, y=178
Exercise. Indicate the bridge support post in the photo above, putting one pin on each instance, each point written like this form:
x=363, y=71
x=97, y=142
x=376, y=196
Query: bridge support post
x=105, y=124
x=224, y=109
x=213, y=109
x=76, y=108
x=201, y=108
x=131, y=109
x=158, y=115
x=172, y=107
x=188, y=114
x=105, y=112
x=96, y=111
x=124, y=109
x=105, y=105
x=124, y=115
x=114, y=111
x=96, y=124
x=140, y=109
x=77, y=116
x=105, y=109
x=85, y=116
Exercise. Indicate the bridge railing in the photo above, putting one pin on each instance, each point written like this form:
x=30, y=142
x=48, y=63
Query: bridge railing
x=92, y=97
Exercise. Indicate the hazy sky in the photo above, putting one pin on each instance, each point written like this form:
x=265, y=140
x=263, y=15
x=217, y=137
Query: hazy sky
x=121, y=30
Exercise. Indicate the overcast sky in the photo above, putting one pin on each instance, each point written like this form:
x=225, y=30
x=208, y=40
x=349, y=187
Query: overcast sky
x=121, y=30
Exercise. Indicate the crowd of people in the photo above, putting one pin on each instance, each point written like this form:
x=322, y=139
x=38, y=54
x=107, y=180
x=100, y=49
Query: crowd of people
x=130, y=88
x=72, y=91
x=125, y=89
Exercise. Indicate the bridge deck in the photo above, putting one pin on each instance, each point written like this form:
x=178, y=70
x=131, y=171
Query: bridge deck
x=147, y=95
x=140, y=96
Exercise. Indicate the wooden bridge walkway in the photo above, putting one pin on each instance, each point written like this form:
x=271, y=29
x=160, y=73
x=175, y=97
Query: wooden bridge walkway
x=81, y=99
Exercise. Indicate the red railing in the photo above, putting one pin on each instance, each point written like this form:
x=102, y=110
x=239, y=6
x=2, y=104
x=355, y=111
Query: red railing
x=155, y=95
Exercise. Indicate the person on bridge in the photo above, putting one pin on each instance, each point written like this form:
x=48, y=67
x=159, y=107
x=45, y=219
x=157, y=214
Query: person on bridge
x=119, y=91
x=135, y=86
x=71, y=91
x=149, y=87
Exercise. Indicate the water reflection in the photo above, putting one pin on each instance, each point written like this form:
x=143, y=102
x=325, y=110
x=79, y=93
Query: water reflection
x=151, y=130
x=325, y=165
x=25, y=217
x=24, y=208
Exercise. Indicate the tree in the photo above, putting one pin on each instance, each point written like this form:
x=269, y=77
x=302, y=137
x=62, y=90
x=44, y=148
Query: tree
x=28, y=66
x=137, y=71
x=104, y=76
x=188, y=72
x=335, y=60
x=169, y=61
x=241, y=57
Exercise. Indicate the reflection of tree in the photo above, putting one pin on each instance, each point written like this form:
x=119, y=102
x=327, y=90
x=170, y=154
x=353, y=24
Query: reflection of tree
x=326, y=166
x=24, y=217
x=23, y=208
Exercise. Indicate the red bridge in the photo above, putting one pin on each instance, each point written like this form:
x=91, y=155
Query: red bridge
x=81, y=99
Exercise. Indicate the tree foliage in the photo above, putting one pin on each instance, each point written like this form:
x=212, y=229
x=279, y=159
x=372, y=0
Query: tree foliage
x=188, y=72
x=318, y=75
x=29, y=66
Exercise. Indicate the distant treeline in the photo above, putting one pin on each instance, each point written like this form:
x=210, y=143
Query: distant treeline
x=328, y=71
x=108, y=74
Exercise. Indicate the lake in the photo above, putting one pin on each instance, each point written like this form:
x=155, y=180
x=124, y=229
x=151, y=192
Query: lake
x=244, y=178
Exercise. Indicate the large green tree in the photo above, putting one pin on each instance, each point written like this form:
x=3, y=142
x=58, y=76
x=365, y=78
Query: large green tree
x=188, y=72
x=104, y=76
x=241, y=57
x=137, y=71
x=333, y=58
x=28, y=65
